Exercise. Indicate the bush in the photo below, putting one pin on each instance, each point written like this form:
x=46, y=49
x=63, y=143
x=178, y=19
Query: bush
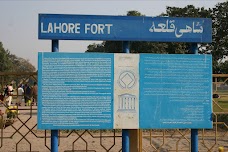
x=11, y=112
x=221, y=118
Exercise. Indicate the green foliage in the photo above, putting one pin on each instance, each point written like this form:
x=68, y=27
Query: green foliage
x=11, y=63
x=222, y=67
x=219, y=44
x=96, y=47
x=223, y=103
x=11, y=115
x=188, y=11
x=12, y=112
x=5, y=62
x=134, y=13
x=21, y=65
x=221, y=118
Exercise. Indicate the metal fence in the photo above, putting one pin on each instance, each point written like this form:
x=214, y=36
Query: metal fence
x=20, y=134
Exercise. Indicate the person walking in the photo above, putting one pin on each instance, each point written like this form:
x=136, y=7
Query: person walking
x=20, y=91
x=6, y=91
x=27, y=94
x=10, y=93
x=35, y=93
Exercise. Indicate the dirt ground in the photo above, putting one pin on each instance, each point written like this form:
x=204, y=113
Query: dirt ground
x=23, y=136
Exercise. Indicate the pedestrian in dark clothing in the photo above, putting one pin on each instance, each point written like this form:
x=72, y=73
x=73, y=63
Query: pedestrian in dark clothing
x=27, y=93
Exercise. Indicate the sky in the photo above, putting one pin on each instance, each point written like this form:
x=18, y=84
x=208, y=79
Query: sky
x=19, y=20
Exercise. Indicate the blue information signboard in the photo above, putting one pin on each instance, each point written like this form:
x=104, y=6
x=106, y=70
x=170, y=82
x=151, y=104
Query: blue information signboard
x=124, y=28
x=124, y=91
x=75, y=91
x=177, y=89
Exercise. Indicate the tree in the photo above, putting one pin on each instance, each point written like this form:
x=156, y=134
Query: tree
x=21, y=65
x=11, y=63
x=134, y=13
x=5, y=63
x=188, y=11
x=219, y=44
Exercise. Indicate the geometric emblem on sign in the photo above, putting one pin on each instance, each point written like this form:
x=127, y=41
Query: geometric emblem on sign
x=127, y=103
x=127, y=80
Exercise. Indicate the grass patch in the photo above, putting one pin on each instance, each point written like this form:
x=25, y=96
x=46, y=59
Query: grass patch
x=223, y=102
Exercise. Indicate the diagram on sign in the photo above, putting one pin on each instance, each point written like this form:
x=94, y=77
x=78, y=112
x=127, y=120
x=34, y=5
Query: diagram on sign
x=127, y=103
x=127, y=80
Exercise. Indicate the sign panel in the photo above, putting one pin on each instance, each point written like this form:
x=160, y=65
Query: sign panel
x=75, y=91
x=177, y=89
x=124, y=91
x=120, y=28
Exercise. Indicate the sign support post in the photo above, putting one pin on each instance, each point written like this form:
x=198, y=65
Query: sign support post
x=194, y=132
x=54, y=133
x=125, y=132
x=134, y=140
x=129, y=137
